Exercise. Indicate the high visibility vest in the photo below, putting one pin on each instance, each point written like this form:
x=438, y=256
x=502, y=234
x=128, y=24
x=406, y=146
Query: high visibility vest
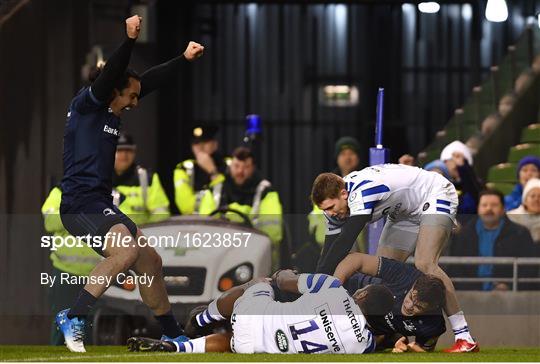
x=265, y=213
x=317, y=229
x=143, y=203
x=74, y=260
x=187, y=197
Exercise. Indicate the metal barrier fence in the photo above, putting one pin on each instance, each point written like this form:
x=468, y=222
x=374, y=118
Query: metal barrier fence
x=515, y=262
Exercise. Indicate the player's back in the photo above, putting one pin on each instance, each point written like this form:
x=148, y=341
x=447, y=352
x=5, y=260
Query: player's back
x=325, y=319
x=390, y=189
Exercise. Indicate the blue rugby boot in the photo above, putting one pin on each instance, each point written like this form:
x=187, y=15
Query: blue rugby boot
x=73, y=331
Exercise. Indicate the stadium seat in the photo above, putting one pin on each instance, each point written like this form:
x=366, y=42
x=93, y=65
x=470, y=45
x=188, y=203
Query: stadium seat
x=504, y=187
x=503, y=172
x=521, y=150
x=531, y=134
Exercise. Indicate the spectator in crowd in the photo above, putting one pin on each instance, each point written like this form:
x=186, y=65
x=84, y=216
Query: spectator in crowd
x=456, y=165
x=137, y=191
x=347, y=154
x=246, y=191
x=490, y=234
x=193, y=176
x=528, y=213
x=407, y=160
x=527, y=168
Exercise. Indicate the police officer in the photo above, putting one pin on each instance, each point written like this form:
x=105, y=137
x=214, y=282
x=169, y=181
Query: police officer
x=136, y=191
x=347, y=154
x=193, y=176
x=76, y=260
x=246, y=191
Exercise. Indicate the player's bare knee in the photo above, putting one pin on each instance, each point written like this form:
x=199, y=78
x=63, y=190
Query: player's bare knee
x=150, y=261
x=426, y=266
x=130, y=256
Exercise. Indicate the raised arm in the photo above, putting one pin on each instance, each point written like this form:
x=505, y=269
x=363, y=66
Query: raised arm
x=115, y=67
x=157, y=76
x=357, y=262
x=335, y=249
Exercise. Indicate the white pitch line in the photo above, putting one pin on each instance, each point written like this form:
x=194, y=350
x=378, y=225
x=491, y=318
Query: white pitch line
x=75, y=357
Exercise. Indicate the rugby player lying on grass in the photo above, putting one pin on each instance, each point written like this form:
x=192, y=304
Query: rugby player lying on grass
x=419, y=299
x=324, y=319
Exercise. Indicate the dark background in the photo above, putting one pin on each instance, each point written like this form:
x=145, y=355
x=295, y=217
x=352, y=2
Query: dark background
x=260, y=57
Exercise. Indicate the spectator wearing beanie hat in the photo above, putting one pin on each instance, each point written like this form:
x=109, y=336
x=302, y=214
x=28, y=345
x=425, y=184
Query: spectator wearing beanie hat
x=528, y=168
x=458, y=160
x=347, y=155
x=528, y=213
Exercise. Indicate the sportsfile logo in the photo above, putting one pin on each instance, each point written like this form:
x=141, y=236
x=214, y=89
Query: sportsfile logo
x=181, y=240
x=108, y=129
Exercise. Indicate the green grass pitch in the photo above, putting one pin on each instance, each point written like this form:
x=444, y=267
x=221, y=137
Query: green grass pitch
x=120, y=353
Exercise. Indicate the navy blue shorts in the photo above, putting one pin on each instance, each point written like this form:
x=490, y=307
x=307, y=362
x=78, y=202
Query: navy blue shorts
x=94, y=218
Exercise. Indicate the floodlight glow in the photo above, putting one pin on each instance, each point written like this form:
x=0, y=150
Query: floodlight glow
x=496, y=11
x=429, y=7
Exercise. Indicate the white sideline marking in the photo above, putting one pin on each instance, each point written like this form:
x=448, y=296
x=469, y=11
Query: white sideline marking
x=74, y=357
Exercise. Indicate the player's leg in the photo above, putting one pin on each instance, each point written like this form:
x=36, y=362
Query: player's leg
x=71, y=322
x=397, y=240
x=221, y=308
x=117, y=259
x=215, y=343
x=154, y=294
x=433, y=236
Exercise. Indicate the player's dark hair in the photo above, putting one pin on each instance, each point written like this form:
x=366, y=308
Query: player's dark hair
x=326, y=185
x=243, y=154
x=430, y=289
x=492, y=192
x=377, y=302
x=121, y=83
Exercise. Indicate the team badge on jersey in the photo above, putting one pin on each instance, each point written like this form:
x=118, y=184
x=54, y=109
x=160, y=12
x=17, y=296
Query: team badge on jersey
x=281, y=341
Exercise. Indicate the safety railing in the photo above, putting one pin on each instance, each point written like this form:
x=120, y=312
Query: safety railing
x=514, y=262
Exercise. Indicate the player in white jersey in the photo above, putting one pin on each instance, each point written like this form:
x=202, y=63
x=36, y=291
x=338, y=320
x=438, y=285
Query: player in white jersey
x=324, y=319
x=420, y=208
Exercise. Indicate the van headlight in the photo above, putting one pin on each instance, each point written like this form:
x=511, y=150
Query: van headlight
x=236, y=276
x=243, y=273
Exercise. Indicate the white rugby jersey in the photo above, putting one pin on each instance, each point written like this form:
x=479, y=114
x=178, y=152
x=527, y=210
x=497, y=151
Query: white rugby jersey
x=325, y=319
x=398, y=191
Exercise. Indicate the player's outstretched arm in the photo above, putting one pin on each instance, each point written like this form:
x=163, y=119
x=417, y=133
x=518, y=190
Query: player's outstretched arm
x=357, y=262
x=115, y=67
x=335, y=249
x=155, y=77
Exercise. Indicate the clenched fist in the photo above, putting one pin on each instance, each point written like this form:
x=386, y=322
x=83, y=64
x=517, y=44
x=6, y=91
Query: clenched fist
x=133, y=26
x=194, y=50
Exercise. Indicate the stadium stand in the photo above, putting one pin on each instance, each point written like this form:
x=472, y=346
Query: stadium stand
x=497, y=152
